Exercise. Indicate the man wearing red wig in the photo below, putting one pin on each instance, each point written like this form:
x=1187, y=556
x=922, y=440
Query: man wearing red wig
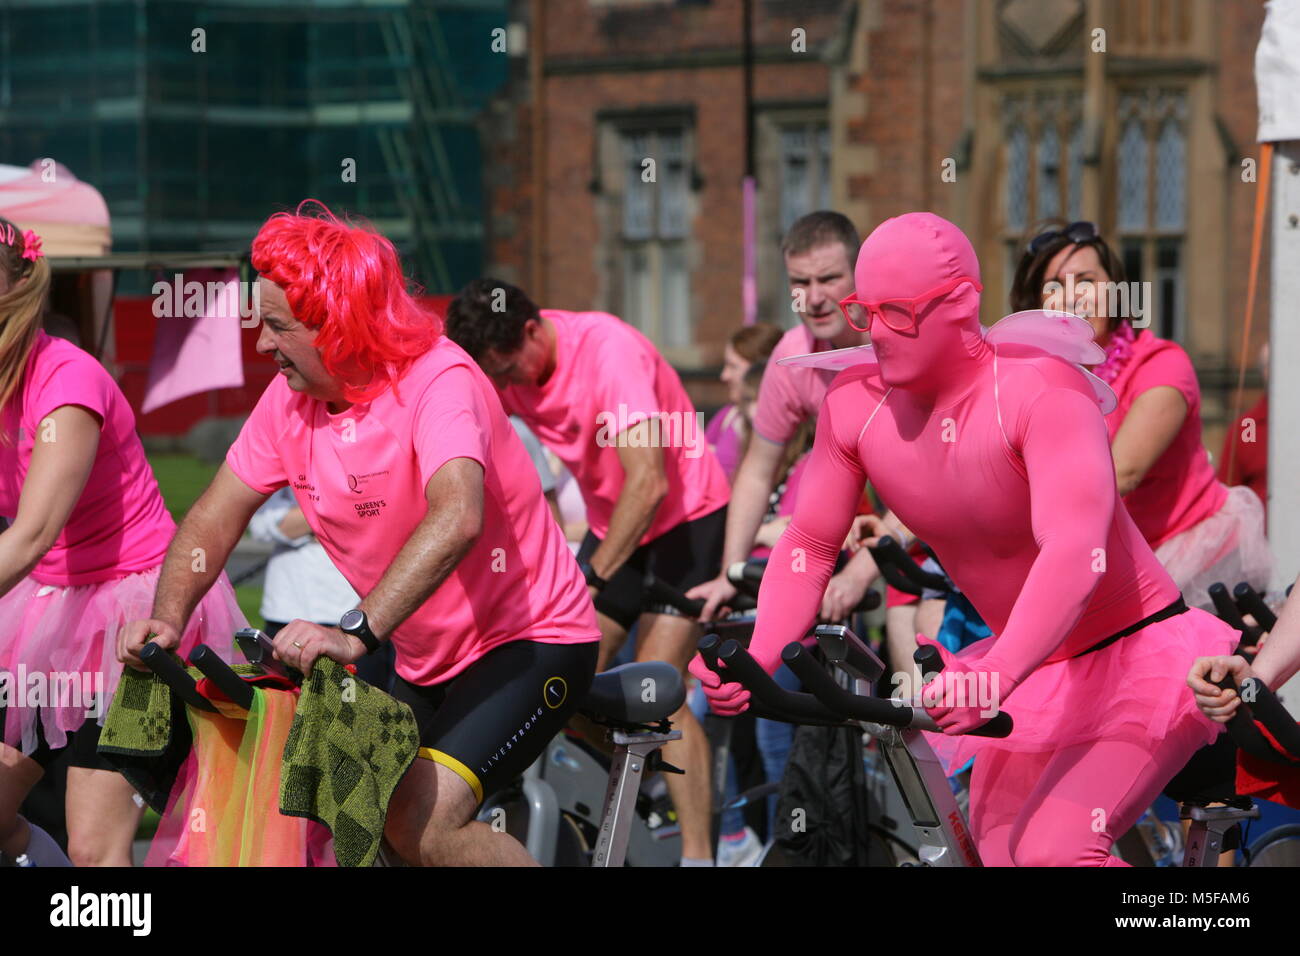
x=413, y=479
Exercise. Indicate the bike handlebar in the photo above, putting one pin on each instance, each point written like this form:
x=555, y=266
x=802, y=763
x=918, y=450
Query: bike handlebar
x=747, y=577
x=1251, y=602
x=873, y=709
x=903, y=574
x=828, y=703
x=1262, y=707
x=765, y=706
x=1228, y=612
x=663, y=593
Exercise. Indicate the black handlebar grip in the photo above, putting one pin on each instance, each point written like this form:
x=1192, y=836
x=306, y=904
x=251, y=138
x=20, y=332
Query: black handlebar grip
x=1258, y=703
x=1000, y=726
x=750, y=572
x=1251, y=602
x=883, y=555
x=664, y=593
x=836, y=698
x=765, y=690
x=708, y=647
x=219, y=672
x=930, y=661
x=895, y=554
x=1224, y=606
x=175, y=676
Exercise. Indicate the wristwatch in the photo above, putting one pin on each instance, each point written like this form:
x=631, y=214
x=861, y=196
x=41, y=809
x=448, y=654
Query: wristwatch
x=354, y=622
x=593, y=579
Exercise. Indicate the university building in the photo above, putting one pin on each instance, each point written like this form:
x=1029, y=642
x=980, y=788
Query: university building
x=1137, y=114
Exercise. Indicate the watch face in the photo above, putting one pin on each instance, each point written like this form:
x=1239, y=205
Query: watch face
x=351, y=619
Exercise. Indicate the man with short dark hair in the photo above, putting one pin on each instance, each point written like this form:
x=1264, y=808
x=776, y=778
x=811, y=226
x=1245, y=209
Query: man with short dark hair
x=599, y=395
x=819, y=251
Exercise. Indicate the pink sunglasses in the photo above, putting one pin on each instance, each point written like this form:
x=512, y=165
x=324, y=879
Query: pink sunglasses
x=897, y=314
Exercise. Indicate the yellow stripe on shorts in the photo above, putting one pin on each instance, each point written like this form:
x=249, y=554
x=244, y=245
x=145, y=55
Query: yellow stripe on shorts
x=447, y=760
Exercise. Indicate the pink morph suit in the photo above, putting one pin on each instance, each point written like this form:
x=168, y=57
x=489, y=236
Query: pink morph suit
x=998, y=457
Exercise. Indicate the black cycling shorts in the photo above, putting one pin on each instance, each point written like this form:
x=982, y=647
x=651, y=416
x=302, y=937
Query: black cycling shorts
x=683, y=557
x=491, y=721
x=81, y=748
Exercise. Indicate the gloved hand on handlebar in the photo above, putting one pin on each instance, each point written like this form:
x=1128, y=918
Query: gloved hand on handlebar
x=964, y=696
x=725, y=700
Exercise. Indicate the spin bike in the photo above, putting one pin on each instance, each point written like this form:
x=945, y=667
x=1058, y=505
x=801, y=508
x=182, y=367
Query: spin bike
x=941, y=829
x=1211, y=825
x=632, y=701
x=556, y=808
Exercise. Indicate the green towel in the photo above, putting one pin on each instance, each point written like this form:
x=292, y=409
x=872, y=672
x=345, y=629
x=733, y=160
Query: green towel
x=145, y=734
x=347, y=750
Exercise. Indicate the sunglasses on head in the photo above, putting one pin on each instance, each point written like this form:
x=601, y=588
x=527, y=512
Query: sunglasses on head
x=897, y=314
x=1076, y=232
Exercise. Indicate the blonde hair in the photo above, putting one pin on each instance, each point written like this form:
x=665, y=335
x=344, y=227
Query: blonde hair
x=21, y=308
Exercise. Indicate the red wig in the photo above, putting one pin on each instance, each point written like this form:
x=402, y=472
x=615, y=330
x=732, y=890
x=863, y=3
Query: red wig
x=345, y=280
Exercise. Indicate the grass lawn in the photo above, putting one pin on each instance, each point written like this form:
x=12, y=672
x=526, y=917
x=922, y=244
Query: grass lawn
x=250, y=602
x=181, y=479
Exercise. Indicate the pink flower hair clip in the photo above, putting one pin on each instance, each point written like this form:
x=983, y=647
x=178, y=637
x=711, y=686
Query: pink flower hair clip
x=31, y=246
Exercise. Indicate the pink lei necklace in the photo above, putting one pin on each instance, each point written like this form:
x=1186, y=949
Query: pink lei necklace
x=1118, y=351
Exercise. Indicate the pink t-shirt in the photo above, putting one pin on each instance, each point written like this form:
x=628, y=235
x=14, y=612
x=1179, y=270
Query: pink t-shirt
x=359, y=477
x=119, y=525
x=790, y=395
x=725, y=436
x=608, y=376
x=1181, y=489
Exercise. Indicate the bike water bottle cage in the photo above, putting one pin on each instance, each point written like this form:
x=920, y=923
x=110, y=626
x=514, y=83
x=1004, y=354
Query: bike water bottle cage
x=897, y=314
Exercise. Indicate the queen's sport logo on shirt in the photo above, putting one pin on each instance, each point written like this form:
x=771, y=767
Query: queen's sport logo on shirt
x=357, y=483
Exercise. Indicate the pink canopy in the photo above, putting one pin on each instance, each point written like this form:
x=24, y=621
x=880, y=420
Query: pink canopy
x=70, y=216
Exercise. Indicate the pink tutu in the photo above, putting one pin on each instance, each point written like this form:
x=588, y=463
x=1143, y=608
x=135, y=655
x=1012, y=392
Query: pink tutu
x=1135, y=690
x=1229, y=546
x=59, y=645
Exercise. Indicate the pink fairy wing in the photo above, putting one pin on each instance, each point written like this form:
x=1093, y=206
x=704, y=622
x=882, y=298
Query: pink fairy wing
x=1105, y=394
x=836, y=359
x=1057, y=333
x=1054, y=333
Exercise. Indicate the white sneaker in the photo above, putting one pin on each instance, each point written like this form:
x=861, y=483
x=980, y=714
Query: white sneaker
x=744, y=852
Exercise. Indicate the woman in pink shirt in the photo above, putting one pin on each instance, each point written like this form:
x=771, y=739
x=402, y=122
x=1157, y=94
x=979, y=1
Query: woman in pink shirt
x=728, y=430
x=79, y=560
x=1201, y=530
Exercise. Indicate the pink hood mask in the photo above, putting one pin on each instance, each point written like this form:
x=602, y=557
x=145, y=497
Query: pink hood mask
x=940, y=357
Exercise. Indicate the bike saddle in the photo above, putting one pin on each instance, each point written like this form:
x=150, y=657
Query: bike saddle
x=640, y=693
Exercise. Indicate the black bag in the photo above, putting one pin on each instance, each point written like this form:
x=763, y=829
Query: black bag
x=823, y=809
